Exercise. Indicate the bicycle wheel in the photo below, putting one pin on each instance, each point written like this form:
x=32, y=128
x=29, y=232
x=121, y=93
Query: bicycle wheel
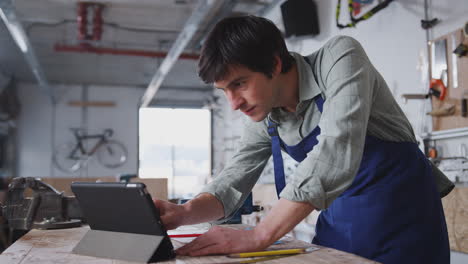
x=65, y=160
x=112, y=154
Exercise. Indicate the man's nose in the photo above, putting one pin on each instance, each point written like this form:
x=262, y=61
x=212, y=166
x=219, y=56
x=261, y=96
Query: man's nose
x=235, y=100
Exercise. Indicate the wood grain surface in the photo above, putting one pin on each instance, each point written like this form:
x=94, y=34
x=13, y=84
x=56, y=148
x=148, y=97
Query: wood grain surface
x=456, y=215
x=55, y=246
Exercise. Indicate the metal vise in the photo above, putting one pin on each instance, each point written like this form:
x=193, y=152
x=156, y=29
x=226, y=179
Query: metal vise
x=47, y=208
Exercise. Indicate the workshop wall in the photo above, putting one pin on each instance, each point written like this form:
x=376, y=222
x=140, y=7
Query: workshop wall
x=395, y=44
x=41, y=128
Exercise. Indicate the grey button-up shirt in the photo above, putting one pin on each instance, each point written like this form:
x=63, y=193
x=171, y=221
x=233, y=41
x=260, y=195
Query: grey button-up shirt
x=358, y=102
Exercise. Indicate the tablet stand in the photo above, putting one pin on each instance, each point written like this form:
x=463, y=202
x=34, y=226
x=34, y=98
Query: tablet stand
x=124, y=246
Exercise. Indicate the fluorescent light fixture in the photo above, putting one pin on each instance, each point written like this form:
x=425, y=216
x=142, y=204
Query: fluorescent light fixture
x=16, y=32
x=8, y=15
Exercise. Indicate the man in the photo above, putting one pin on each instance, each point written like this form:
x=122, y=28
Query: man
x=332, y=111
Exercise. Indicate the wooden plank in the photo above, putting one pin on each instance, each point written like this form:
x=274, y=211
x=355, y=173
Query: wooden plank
x=456, y=214
x=55, y=246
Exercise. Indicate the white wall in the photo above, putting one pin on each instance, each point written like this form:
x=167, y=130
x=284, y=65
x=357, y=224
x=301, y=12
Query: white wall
x=35, y=126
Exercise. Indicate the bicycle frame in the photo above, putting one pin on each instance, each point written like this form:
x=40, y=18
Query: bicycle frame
x=81, y=138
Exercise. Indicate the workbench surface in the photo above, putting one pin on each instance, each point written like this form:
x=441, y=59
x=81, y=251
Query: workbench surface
x=55, y=246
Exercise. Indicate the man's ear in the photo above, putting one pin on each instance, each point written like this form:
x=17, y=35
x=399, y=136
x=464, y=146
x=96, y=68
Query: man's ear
x=278, y=66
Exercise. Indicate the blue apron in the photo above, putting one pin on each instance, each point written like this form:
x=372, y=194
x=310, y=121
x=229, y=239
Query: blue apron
x=392, y=212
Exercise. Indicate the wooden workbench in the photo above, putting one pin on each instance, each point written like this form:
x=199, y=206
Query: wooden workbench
x=55, y=246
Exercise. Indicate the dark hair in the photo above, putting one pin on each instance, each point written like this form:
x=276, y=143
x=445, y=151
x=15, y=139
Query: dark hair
x=248, y=41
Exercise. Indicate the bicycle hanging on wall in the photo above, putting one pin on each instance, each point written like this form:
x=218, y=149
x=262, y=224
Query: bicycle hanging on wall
x=71, y=157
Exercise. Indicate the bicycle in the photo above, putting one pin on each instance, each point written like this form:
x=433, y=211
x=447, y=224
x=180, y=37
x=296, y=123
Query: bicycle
x=72, y=156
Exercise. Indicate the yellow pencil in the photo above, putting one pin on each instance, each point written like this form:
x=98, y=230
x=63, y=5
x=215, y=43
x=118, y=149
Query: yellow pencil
x=272, y=252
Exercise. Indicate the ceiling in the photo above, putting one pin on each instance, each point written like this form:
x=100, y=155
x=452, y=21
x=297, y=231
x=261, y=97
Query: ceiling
x=143, y=25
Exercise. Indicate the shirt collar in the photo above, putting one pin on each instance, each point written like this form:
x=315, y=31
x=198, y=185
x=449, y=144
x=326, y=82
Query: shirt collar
x=308, y=87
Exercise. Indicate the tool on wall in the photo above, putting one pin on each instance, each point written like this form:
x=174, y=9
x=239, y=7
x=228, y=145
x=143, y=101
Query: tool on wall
x=464, y=104
x=462, y=49
x=355, y=6
x=438, y=83
x=453, y=40
x=439, y=60
x=444, y=111
x=427, y=23
x=437, y=89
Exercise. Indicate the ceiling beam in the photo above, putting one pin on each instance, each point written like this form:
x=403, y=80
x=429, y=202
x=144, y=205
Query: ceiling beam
x=200, y=11
x=8, y=15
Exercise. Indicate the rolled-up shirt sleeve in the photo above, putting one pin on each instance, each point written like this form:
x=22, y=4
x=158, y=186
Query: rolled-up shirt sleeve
x=330, y=168
x=232, y=186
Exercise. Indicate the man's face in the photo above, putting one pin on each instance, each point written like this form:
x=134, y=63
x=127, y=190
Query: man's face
x=253, y=93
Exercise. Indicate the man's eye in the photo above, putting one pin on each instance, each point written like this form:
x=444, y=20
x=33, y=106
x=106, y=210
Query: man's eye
x=239, y=84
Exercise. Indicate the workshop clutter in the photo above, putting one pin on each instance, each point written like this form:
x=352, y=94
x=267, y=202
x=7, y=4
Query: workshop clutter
x=49, y=203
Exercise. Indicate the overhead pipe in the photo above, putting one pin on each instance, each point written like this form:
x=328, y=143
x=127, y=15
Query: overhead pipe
x=97, y=22
x=82, y=19
x=88, y=48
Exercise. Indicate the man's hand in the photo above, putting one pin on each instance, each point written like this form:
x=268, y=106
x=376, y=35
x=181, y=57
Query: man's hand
x=172, y=215
x=205, y=207
x=223, y=240
x=284, y=216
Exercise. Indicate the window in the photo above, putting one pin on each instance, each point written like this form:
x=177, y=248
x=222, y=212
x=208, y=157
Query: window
x=175, y=144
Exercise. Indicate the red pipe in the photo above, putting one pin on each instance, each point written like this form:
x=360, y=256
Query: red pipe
x=112, y=51
x=82, y=17
x=97, y=22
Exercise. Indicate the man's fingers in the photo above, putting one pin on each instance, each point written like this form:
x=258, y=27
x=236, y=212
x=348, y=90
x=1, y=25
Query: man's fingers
x=209, y=250
x=197, y=244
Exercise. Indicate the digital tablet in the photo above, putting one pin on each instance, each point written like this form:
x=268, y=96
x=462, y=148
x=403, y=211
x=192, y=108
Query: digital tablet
x=122, y=207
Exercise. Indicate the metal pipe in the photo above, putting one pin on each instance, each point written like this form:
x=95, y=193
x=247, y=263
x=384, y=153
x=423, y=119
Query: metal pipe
x=82, y=19
x=445, y=134
x=111, y=51
x=97, y=22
